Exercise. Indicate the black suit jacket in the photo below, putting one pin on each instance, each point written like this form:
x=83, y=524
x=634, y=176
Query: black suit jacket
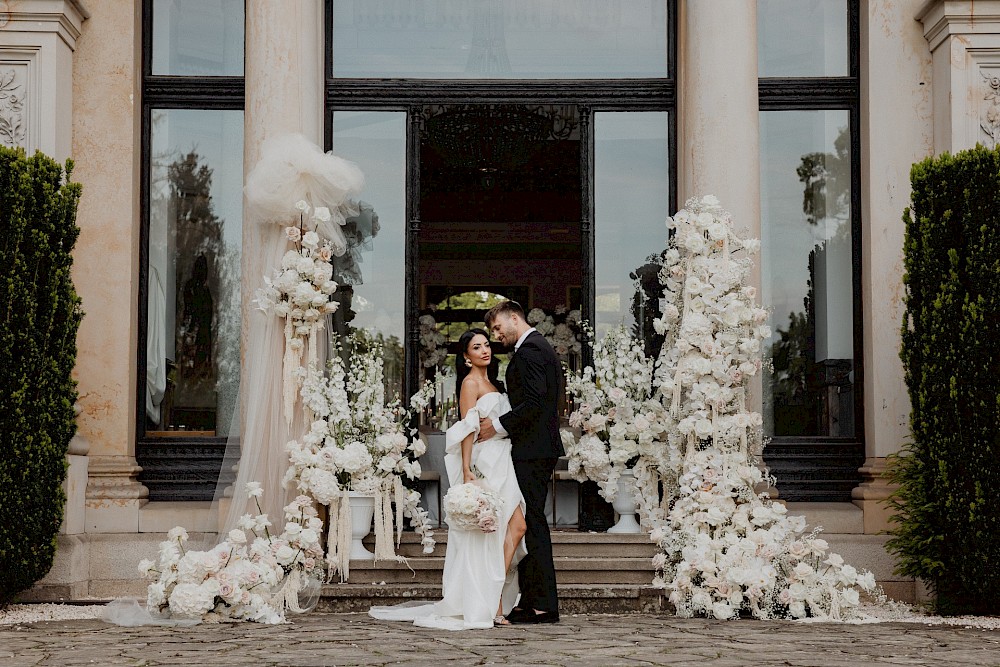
x=533, y=388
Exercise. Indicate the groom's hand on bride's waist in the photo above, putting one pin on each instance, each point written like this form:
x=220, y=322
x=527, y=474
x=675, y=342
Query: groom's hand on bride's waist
x=486, y=430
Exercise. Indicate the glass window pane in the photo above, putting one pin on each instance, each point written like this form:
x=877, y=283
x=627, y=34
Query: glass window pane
x=632, y=196
x=802, y=38
x=372, y=274
x=497, y=39
x=195, y=228
x=807, y=272
x=198, y=37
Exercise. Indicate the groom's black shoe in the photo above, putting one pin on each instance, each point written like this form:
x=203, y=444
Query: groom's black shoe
x=518, y=615
x=532, y=617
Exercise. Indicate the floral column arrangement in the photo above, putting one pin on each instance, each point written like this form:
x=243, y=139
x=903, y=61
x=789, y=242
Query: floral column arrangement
x=622, y=424
x=358, y=443
x=728, y=551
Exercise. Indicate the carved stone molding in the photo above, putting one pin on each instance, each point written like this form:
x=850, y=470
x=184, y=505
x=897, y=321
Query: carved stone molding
x=964, y=40
x=13, y=124
x=989, y=119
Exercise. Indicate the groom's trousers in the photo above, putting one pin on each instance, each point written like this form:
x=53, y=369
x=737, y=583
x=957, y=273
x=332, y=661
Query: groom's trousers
x=536, y=572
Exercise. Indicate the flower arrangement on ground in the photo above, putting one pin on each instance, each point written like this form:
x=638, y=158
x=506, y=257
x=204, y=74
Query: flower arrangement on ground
x=251, y=575
x=301, y=292
x=562, y=328
x=726, y=549
x=357, y=442
x=433, y=344
x=622, y=423
x=472, y=506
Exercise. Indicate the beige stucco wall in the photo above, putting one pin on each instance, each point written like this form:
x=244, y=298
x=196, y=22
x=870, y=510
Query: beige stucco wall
x=896, y=131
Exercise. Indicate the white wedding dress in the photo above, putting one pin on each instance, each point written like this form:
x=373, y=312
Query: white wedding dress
x=474, y=580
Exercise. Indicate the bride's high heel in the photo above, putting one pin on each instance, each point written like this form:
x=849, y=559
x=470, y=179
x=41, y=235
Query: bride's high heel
x=500, y=621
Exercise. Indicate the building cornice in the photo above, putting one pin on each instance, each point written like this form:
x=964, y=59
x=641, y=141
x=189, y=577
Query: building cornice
x=64, y=17
x=944, y=18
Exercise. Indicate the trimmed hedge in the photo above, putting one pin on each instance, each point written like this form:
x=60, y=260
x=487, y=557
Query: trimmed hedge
x=39, y=317
x=947, y=530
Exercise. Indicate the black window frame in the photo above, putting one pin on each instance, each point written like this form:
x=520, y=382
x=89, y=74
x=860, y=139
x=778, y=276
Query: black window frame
x=803, y=464
x=589, y=95
x=182, y=467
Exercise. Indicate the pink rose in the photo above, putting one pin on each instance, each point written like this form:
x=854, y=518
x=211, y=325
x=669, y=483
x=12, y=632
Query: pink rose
x=488, y=523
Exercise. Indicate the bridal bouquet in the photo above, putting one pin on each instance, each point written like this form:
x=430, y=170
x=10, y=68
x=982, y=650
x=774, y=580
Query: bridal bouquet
x=358, y=443
x=251, y=575
x=472, y=506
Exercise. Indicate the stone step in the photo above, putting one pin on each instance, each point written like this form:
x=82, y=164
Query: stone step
x=569, y=570
x=573, y=598
x=565, y=543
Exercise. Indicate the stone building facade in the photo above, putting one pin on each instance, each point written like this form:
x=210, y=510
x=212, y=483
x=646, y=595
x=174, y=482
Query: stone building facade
x=803, y=118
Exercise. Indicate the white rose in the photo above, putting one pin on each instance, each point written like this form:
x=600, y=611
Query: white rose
x=302, y=206
x=237, y=536
x=285, y=554
x=322, y=213
x=703, y=428
x=155, y=595
x=178, y=533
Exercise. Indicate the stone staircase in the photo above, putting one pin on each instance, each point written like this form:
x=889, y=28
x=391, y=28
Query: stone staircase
x=601, y=572
x=596, y=573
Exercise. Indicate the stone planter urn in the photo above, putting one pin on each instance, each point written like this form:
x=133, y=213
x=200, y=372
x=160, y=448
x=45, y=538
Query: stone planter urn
x=362, y=513
x=625, y=505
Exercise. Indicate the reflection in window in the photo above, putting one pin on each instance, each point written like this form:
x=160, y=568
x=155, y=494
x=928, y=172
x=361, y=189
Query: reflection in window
x=372, y=273
x=496, y=39
x=807, y=272
x=198, y=37
x=802, y=38
x=195, y=227
x=631, y=192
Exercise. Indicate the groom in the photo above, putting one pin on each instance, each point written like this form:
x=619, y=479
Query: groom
x=533, y=428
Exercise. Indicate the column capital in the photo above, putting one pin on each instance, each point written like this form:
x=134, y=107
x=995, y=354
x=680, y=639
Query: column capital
x=64, y=17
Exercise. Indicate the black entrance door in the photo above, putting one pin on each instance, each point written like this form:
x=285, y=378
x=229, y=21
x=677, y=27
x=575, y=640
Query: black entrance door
x=498, y=198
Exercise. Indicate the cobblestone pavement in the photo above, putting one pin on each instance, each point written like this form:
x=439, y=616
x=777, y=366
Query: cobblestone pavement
x=354, y=639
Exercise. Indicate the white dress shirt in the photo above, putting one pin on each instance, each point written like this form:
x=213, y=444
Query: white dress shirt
x=497, y=426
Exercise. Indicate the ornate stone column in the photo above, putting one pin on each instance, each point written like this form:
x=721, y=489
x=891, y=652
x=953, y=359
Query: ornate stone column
x=284, y=83
x=718, y=129
x=896, y=75
x=718, y=136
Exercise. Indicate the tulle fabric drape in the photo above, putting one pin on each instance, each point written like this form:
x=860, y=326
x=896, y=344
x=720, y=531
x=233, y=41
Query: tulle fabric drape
x=291, y=169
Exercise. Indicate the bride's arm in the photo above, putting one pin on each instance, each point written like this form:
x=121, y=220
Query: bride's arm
x=466, y=401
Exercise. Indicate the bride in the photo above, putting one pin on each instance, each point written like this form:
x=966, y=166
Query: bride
x=479, y=584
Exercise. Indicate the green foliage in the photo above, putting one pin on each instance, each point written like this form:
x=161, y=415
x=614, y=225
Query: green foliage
x=947, y=528
x=39, y=317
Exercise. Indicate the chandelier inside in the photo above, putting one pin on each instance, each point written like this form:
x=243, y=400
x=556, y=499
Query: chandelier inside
x=495, y=138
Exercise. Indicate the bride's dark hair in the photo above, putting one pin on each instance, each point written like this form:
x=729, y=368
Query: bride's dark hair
x=461, y=370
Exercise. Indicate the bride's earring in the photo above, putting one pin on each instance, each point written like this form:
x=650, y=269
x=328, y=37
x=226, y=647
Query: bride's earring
x=468, y=362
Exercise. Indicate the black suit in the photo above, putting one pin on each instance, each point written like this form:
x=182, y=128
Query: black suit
x=533, y=426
